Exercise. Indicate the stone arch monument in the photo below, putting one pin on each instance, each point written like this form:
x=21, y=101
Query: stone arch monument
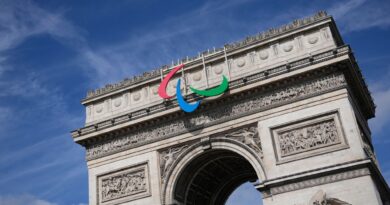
x=293, y=122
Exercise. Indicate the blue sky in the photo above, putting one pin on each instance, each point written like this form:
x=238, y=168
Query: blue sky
x=52, y=52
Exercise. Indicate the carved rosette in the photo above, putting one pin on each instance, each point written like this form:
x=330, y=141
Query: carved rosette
x=229, y=111
x=123, y=185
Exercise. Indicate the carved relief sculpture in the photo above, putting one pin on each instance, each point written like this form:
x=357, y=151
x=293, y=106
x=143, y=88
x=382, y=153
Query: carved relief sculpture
x=308, y=138
x=320, y=199
x=126, y=184
x=249, y=136
x=167, y=158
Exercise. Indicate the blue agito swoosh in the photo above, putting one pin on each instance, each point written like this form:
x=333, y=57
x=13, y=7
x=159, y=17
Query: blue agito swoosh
x=186, y=107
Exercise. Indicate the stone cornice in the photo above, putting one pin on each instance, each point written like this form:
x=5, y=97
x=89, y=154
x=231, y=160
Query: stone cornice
x=362, y=94
x=325, y=175
x=265, y=74
x=315, y=177
x=230, y=48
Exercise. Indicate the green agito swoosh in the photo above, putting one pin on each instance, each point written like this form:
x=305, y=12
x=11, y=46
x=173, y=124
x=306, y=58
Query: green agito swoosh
x=214, y=91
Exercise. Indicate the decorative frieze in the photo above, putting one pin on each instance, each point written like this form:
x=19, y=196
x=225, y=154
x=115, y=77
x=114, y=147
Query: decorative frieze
x=308, y=137
x=123, y=185
x=248, y=104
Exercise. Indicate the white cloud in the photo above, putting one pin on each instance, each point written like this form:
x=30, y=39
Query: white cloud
x=23, y=200
x=5, y=113
x=29, y=86
x=6, y=116
x=355, y=15
x=382, y=118
x=20, y=20
x=380, y=88
x=343, y=8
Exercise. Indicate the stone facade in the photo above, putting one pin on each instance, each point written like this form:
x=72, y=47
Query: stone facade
x=294, y=123
x=227, y=112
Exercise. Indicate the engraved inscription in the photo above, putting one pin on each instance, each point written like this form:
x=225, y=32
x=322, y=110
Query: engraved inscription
x=308, y=138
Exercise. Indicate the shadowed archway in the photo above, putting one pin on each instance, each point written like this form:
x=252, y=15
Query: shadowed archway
x=211, y=177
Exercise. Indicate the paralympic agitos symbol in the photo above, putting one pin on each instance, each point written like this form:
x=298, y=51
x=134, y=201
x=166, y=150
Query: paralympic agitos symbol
x=185, y=106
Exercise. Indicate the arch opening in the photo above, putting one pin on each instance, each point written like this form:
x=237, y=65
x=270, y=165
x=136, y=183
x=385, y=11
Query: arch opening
x=245, y=194
x=210, y=178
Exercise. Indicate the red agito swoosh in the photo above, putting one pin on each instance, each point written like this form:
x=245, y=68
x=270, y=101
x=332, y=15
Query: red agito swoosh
x=162, y=90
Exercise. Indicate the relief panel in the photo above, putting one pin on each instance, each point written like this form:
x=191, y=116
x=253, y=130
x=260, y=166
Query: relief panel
x=123, y=185
x=308, y=137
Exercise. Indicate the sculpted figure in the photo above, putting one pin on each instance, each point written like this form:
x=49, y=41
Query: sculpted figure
x=320, y=199
x=169, y=157
x=248, y=137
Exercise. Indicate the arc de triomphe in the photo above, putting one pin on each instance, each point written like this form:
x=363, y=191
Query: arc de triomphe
x=293, y=122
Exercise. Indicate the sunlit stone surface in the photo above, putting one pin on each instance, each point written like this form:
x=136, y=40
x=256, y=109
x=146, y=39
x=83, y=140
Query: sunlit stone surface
x=293, y=126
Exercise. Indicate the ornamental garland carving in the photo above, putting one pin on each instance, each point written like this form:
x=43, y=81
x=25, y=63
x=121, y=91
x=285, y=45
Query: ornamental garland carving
x=308, y=138
x=231, y=110
x=128, y=184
